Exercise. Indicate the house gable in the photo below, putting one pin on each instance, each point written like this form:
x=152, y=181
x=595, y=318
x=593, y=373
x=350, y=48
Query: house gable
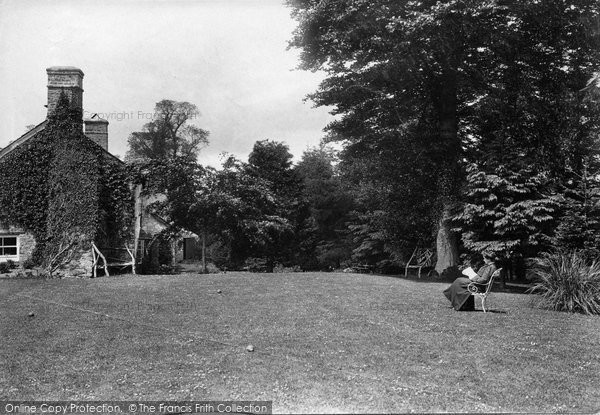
x=17, y=243
x=23, y=139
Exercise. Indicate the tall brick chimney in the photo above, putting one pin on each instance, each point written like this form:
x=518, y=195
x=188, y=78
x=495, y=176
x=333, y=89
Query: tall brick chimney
x=96, y=129
x=68, y=79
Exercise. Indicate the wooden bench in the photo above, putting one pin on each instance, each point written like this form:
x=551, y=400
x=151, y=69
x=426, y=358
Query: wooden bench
x=482, y=290
x=363, y=269
x=115, y=257
x=420, y=258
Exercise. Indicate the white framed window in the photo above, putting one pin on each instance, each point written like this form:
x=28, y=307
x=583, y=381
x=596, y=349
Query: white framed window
x=9, y=248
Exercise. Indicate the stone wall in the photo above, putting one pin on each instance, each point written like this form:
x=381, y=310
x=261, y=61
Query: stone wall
x=80, y=266
x=26, y=246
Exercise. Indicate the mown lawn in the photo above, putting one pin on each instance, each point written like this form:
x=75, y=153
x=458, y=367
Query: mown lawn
x=324, y=342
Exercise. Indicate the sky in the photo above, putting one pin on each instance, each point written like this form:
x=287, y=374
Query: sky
x=228, y=57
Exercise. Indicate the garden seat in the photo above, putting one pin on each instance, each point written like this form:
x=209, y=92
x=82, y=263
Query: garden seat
x=115, y=257
x=420, y=258
x=364, y=269
x=483, y=290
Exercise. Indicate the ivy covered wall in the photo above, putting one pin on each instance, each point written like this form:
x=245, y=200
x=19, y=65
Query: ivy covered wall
x=66, y=191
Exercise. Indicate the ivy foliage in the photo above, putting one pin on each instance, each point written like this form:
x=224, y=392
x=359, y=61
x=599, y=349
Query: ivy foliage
x=64, y=189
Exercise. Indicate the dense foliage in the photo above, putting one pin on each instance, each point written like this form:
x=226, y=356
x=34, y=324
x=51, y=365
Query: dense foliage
x=464, y=124
x=534, y=131
x=579, y=224
x=508, y=213
x=323, y=235
x=229, y=207
x=474, y=107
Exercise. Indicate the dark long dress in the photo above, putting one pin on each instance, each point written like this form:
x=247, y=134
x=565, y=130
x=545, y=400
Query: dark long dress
x=459, y=296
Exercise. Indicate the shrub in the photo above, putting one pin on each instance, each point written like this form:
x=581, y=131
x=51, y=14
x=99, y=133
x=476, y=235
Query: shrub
x=6, y=267
x=29, y=274
x=151, y=268
x=165, y=269
x=567, y=282
x=29, y=264
x=279, y=268
x=388, y=266
x=211, y=268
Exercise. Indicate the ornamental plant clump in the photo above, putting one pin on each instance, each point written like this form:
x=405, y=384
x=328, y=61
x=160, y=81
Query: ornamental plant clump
x=565, y=281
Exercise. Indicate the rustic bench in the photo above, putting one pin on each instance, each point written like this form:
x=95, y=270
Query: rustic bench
x=420, y=258
x=115, y=257
x=364, y=269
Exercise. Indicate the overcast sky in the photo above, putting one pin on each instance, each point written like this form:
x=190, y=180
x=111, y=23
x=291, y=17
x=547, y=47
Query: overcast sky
x=227, y=57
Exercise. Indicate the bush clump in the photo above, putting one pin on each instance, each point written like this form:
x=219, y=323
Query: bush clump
x=566, y=281
x=211, y=268
x=279, y=268
x=6, y=267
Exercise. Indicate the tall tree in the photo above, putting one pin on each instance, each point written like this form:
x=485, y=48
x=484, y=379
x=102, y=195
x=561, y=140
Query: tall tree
x=270, y=162
x=229, y=204
x=394, y=188
x=411, y=71
x=533, y=130
x=322, y=241
x=169, y=135
x=392, y=64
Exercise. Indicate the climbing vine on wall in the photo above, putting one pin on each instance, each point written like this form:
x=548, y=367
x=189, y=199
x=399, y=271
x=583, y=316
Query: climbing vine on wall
x=24, y=189
x=116, y=203
x=64, y=189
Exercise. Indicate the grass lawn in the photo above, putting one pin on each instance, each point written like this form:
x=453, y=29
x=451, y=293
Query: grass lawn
x=324, y=342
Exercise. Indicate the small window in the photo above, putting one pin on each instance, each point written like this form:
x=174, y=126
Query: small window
x=9, y=248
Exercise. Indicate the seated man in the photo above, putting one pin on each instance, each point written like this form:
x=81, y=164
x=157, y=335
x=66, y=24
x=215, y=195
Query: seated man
x=459, y=295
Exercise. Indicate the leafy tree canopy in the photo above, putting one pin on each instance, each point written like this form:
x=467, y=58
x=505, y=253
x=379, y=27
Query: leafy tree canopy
x=424, y=88
x=169, y=135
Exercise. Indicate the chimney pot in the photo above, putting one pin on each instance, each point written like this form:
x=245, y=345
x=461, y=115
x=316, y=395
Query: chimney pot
x=68, y=79
x=96, y=129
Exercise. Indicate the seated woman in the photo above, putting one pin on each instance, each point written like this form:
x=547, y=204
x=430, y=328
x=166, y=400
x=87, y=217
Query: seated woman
x=459, y=295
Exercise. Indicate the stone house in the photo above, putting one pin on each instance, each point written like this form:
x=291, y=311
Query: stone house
x=16, y=244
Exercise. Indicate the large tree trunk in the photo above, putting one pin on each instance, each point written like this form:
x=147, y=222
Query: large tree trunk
x=446, y=245
x=204, y=268
x=448, y=183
